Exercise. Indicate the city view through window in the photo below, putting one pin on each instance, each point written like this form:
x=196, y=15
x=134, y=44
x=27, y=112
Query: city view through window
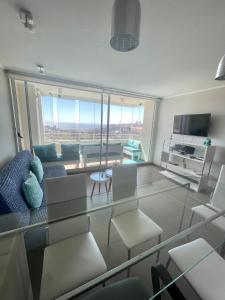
x=69, y=120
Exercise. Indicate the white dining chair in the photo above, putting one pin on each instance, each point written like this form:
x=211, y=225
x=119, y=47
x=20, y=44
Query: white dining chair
x=204, y=268
x=133, y=226
x=72, y=256
x=217, y=203
x=66, y=195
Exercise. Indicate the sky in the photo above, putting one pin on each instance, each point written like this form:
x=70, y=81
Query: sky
x=59, y=110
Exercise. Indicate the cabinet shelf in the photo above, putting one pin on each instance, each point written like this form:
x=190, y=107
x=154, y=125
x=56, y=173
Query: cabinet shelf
x=187, y=157
x=194, y=169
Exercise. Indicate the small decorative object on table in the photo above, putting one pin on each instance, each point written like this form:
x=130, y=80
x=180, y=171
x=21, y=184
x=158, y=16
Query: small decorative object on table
x=207, y=142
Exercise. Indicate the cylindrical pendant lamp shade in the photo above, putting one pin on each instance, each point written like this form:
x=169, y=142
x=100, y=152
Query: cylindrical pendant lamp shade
x=125, y=25
x=220, y=74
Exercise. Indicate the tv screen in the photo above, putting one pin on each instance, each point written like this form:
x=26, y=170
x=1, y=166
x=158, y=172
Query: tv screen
x=197, y=125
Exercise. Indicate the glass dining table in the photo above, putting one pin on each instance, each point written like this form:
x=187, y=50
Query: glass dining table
x=168, y=204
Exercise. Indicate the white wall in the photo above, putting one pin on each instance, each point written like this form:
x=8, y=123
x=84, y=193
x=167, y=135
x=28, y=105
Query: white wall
x=211, y=101
x=37, y=130
x=7, y=143
x=149, y=108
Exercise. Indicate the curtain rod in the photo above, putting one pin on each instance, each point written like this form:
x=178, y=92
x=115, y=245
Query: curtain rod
x=51, y=80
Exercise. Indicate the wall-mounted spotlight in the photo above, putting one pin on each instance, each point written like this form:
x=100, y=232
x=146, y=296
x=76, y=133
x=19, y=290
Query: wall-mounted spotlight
x=27, y=19
x=41, y=69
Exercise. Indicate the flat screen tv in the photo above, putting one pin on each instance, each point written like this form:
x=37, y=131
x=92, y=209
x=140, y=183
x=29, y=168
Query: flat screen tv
x=197, y=125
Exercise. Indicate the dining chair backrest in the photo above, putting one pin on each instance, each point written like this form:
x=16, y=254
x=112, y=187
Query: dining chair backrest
x=66, y=188
x=124, y=181
x=65, y=229
x=124, y=208
x=66, y=196
x=218, y=198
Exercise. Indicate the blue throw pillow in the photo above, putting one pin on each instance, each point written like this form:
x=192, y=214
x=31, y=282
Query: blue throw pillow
x=136, y=144
x=70, y=151
x=130, y=143
x=32, y=191
x=46, y=153
x=36, y=167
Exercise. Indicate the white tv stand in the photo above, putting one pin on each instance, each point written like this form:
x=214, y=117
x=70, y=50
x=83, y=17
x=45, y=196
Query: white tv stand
x=187, y=168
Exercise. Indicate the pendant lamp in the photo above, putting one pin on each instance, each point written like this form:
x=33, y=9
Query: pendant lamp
x=126, y=18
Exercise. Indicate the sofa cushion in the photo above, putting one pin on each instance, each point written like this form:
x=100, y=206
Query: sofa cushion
x=134, y=144
x=97, y=155
x=54, y=171
x=37, y=169
x=70, y=151
x=12, y=177
x=32, y=191
x=46, y=153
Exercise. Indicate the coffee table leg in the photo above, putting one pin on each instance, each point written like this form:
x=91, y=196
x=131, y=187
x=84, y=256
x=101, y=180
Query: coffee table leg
x=99, y=187
x=110, y=184
x=93, y=189
x=106, y=189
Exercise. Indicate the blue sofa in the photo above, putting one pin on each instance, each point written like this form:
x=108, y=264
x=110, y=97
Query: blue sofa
x=12, y=200
x=70, y=154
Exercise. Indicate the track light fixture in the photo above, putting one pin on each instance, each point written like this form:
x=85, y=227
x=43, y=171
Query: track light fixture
x=27, y=19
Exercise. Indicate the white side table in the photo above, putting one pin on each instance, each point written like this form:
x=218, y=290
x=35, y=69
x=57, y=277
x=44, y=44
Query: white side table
x=99, y=177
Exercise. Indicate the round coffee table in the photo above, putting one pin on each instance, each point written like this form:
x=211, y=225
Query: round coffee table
x=99, y=177
x=108, y=173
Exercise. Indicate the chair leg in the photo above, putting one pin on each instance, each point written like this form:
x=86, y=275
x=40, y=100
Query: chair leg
x=129, y=256
x=190, y=222
x=191, y=219
x=222, y=251
x=168, y=263
x=110, y=184
x=93, y=189
x=106, y=189
x=109, y=231
x=158, y=253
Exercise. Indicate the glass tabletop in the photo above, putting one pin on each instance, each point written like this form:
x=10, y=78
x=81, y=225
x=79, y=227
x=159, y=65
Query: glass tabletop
x=167, y=204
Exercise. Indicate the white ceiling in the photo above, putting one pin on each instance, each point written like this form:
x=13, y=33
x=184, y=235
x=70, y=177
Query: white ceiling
x=180, y=45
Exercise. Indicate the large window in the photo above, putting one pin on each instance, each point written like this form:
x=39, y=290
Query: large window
x=100, y=128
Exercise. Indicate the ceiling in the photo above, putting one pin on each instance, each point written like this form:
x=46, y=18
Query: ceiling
x=181, y=43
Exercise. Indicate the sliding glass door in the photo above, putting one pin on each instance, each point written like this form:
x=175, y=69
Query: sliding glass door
x=80, y=128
